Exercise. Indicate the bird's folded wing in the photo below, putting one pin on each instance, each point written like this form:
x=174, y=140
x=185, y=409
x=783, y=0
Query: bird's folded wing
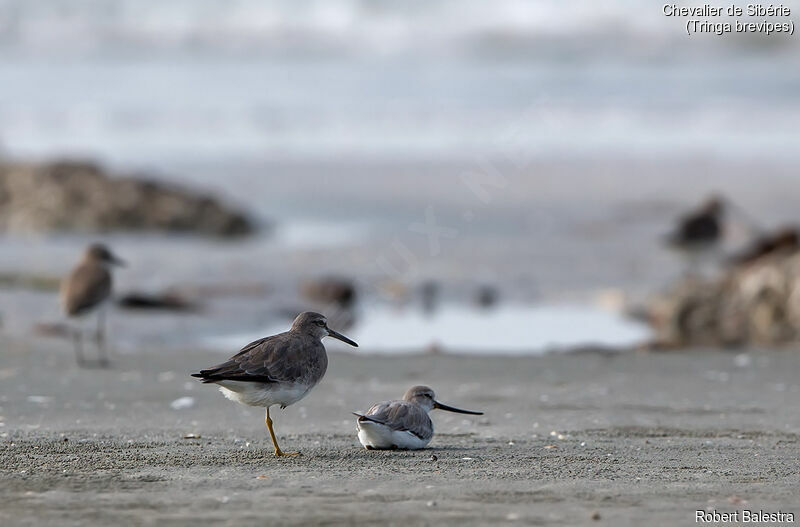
x=86, y=287
x=402, y=416
x=362, y=417
x=264, y=360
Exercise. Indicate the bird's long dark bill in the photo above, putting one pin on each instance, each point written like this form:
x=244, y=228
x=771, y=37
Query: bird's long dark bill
x=339, y=336
x=119, y=262
x=441, y=406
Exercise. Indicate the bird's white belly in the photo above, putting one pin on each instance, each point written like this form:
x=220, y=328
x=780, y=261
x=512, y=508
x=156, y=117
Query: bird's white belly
x=381, y=437
x=261, y=394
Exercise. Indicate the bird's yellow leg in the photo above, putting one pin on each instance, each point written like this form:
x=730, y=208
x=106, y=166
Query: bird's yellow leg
x=278, y=451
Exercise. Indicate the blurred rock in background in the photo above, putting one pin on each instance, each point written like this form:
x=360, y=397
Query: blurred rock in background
x=757, y=303
x=66, y=196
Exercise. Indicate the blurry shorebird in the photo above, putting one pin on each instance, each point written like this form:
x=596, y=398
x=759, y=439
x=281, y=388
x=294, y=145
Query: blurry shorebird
x=403, y=424
x=700, y=229
x=700, y=233
x=88, y=288
x=280, y=369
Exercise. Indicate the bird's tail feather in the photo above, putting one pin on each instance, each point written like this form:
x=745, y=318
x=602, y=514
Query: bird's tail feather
x=203, y=377
x=362, y=417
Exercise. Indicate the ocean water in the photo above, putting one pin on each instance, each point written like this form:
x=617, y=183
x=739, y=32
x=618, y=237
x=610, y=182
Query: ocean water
x=148, y=83
x=507, y=329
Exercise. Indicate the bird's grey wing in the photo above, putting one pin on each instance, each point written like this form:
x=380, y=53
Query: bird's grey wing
x=402, y=416
x=377, y=414
x=254, y=345
x=86, y=286
x=271, y=359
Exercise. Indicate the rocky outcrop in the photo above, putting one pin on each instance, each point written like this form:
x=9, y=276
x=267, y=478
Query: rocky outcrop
x=65, y=196
x=753, y=304
x=167, y=301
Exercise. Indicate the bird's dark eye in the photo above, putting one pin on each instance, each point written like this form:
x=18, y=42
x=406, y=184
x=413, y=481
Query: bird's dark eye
x=320, y=323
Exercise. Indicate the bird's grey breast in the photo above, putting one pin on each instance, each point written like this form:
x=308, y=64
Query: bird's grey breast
x=317, y=359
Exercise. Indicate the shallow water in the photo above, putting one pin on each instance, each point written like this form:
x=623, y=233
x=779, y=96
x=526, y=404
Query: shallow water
x=506, y=329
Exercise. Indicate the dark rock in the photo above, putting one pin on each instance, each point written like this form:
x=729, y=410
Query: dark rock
x=162, y=302
x=785, y=239
x=66, y=196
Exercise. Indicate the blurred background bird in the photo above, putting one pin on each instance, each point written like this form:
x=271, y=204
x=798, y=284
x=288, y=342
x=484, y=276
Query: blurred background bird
x=88, y=289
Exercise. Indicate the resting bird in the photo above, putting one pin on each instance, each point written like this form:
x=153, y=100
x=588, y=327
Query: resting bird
x=280, y=369
x=699, y=234
x=87, y=288
x=402, y=424
x=700, y=229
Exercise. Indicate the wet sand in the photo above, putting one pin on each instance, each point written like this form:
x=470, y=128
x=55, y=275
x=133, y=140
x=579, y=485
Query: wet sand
x=567, y=439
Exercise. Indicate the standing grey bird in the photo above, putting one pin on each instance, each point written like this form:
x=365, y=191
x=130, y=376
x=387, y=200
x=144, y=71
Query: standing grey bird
x=403, y=424
x=88, y=288
x=280, y=369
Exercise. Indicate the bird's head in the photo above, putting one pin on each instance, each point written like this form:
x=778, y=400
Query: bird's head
x=99, y=253
x=715, y=205
x=310, y=323
x=426, y=398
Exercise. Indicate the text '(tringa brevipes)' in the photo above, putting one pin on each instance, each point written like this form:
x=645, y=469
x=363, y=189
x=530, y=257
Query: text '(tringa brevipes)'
x=403, y=424
x=280, y=369
x=88, y=288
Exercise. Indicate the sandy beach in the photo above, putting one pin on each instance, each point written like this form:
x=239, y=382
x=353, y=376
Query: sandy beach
x=567, y=439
